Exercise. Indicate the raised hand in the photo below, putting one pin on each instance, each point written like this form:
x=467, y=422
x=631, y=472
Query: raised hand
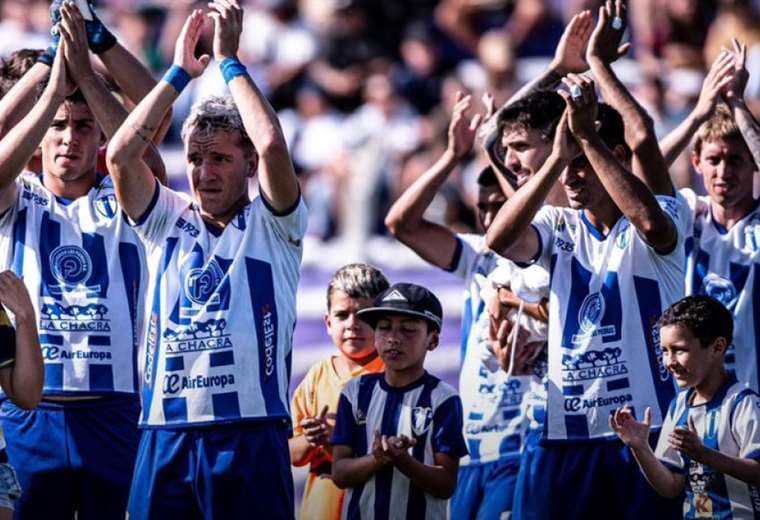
x=718, y=78
x=632, y=432
x=60, y=83
x=73, y=33
x=378, y=449
x=462, y=128
x=317, y=430
x=228, y=25
x=184, y=50
x=581, y=106
x=605, y=41
x=687, y=440
x=570, y=55
x=14, y=295
x=735, y=89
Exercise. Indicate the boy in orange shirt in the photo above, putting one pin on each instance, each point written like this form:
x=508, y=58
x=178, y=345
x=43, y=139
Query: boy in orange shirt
x=352, y=288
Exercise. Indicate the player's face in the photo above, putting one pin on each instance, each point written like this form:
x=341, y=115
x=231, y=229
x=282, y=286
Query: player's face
x=403, y=341
x=685, y=357
x=525, y=151
x=490, y=200
x=218, y=170
x=353, y=337
x=70, y=146
x=727, y=170
x=581, y=183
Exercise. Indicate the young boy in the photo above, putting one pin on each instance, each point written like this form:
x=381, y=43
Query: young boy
x=21, y=371
x=398, y=435
x=710, y=440
x=352, y=288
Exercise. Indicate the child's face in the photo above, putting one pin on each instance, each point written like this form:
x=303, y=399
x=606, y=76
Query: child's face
x=353, y=337
x=402, y=341
x=686, y=358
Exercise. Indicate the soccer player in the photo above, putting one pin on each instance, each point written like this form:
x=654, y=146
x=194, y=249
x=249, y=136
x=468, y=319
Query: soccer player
x=21, y=371
x=223, y=277
x=709, y=444
x=723, y=248
x=85, y=270
x=493, y=418
x=315, y=402
x=616, y=259
x=398, y=435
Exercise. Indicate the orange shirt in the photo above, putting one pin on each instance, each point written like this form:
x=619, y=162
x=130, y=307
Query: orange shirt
x=321, y=386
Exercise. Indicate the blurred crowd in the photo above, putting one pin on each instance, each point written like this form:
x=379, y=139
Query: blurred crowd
x=364, y=88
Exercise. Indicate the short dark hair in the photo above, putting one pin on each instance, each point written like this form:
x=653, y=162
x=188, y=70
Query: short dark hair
x=612, y=129
x=704, y=316
x=540, y=110
x=15, y=66
x=487, y=178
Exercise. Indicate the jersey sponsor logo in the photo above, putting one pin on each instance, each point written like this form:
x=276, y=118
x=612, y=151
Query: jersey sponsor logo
x=589, y=316
x=576, y=404
x=150, y=350
x=71, y=266
x=201, y=284
x=624, y=235
x=422, y=418
x=721, y=289
x=197, y=336
x=36, y=199
x=700, y=480
x=89, y=318
x=752, y=234
x=54, y=353
x=269, y=338
x=507, y=394
x=564, y=245
x=175, y=383
x=106, y=205
x=593, y=364
x=188, y=228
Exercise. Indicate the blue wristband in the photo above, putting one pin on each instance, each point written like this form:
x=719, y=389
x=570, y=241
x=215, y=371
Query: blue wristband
x=232, y=68
x=177, y=77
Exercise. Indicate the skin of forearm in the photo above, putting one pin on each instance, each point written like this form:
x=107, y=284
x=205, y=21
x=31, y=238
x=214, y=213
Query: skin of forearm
x=108, y=112
x=20, y=99
x=676, y=141
x=28, y=373
x=434, y=480
x=128, y=73
x=20, y=143
x=354, y=471
x=746, y=470
x=517, y=213
x=410, y=207
x=664, y=481
x=749, y=129
x=628, y=192
x=300, y=450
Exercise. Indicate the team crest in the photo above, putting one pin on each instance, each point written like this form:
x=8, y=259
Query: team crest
x=721, y=289
x=106, y=206
x=71, y=265
x=201, y=284
x=591, y=312
x=422, y=418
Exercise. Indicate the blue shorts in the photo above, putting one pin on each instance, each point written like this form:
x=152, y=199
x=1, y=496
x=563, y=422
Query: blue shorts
x=228, y=471
x=485, y=491
x=73, y=457
x=589, y=480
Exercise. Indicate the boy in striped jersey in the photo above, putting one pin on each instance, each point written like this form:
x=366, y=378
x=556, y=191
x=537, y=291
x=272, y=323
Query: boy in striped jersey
x=710, y=439
x=398, y=435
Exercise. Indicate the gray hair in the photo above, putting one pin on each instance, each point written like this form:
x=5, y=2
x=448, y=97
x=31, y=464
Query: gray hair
x=357, y=281
x=216, y=113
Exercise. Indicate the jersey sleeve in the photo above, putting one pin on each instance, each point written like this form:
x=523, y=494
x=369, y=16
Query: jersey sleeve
x=466, y=254
x=745, y=425
x=666, y=454
x=161, y=216
x=290, y=224
x=447, y=428
x=544, y=223
x=346, y=428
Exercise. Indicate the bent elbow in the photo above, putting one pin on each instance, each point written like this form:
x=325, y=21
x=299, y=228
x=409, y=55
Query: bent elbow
x=116, y=155
x=29, y=401
x=339, y=480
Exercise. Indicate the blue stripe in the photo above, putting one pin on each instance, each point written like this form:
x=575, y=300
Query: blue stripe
x=154, y=334
x=51, y=339
x=572, y=390
x=756, y=314
x=101, y=378
x=618, y=384
x=50, y=238
x=701, y=267
x=53, y=376
x=466, y=326
x=261, y=286
x=131, y=269
x=99, y=341
x=416, y=503
x=650, y=309
x=175, y=409
x=688, y=246
x=613, y=312
x=579, y=289
x=98, y=281
x=508, y=415
x=367, y=385
x=226, y=406
x=19, y=242
x=576, y=426
x=174, y=364
x=384, y=477
x=221, y=359
x=473, y=448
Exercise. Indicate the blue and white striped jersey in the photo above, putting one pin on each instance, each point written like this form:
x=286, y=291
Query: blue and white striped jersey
x=427, y=409
x=494, y=420
x=607, y=293
x=221, y=312
x=84, y=267
x=725, y=264
x=729, y=423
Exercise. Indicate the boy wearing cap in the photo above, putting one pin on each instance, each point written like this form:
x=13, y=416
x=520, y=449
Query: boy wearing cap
x=398, y=434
